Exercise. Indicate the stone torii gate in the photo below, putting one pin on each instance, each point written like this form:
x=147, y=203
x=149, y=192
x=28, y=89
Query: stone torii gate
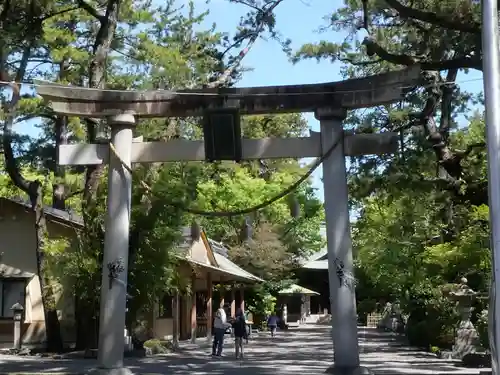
x=329, y=102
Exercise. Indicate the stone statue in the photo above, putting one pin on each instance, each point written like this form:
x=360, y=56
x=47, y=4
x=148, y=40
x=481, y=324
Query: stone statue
x=466, y=337
x=397, y=322
x=385, y=321
x=391, y=319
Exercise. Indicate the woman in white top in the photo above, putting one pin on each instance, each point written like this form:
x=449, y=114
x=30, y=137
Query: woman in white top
x=220, y=326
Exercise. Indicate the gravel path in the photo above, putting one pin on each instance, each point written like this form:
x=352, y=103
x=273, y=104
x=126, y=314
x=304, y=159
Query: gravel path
x=302, y=351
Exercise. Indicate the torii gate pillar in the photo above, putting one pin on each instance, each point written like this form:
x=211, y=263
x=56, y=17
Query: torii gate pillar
x=339, y=245
x=351, y=94
x=116, y=247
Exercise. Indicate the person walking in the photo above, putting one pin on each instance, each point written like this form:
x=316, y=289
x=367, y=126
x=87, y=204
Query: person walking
x=240, y=332
x=272, y=323
x=220, y=326
x=249, y=321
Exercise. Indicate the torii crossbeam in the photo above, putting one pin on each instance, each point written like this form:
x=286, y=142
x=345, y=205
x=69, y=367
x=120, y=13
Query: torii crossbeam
x=329, y=101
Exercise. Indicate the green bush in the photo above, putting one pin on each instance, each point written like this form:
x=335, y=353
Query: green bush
x=364, y=308
x=432, y=321
x=151, y=343
x=435, y=350
x=158, y=346
x=482, y=329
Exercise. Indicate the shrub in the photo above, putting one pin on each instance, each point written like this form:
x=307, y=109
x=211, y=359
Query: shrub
x=435, y=350
x=158, y=346
x=432, y=321
x=364, y=308
x=482, y=329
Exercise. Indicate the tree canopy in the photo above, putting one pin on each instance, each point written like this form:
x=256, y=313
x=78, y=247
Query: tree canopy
x=422, y=213
x=118, y=44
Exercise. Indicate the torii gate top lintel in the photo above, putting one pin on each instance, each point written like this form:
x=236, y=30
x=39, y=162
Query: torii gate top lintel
x=349, y=94
x=329, y=101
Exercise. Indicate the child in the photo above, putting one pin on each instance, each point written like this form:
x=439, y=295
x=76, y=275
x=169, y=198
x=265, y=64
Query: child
x=272, y=323
x=240, y=332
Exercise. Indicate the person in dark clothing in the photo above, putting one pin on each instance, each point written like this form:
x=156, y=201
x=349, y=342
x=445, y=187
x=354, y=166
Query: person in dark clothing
x=240, y=332
x=272, y=323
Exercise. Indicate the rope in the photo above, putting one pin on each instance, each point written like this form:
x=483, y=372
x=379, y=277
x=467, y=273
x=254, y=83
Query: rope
x=244, y=211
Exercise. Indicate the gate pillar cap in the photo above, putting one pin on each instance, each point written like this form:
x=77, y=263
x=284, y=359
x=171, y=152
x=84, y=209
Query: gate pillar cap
x=330, y=113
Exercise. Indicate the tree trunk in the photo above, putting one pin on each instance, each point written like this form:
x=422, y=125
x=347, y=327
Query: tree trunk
x=87, y=317
x=87, y=324
x=52, y=325
x=59, y=193
x=34, y=191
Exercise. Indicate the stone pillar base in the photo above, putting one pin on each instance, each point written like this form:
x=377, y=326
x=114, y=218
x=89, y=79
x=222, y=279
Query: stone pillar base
x=337, y=370
x=110, y=371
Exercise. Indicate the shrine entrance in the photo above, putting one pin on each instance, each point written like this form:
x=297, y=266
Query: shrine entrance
x=221, y=109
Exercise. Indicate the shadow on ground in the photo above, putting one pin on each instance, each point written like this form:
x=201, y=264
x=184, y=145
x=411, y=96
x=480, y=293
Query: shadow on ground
x=305, y=351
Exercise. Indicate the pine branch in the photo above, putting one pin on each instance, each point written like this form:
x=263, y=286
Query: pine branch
x=373, y=48
x=434, y=19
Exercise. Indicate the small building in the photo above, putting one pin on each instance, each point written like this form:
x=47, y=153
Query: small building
x=208, y=263
x=295, y=302
x=18, y=271
x=202, y=260
x=313, y=274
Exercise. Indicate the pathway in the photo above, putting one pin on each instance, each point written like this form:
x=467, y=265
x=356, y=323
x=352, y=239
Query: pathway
x=299, y=351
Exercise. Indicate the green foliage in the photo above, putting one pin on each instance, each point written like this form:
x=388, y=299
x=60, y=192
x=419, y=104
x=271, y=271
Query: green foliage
x=152, y=46
x=435, y=350
x=279, y=240
x=366, y=307
x=158, y=346
x=423, y=215
x=261, y=300
x=482, y=328
x=432, y=317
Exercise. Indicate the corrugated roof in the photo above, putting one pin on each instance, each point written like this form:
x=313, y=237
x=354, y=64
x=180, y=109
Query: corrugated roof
x=218, y=247
x=228, y=266
x=297, y=289
x=222, y=258
x=11, y=272
x=231, y=273
x=316, y=265
x=65, y=215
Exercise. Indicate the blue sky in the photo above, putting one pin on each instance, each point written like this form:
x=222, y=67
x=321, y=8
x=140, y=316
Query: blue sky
x=298, y=20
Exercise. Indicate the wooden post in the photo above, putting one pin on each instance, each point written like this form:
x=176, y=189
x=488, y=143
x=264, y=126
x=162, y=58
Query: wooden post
x=242, y=299
x=209, y=305
x=175, y=322
x=222, y=295
x=193, y=309
x=233, y=302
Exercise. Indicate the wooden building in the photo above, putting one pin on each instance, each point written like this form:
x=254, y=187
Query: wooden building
x=203, y=261
x=215, y=280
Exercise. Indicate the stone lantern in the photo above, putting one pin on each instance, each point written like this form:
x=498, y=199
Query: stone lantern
x=466, y=337
x=17, y=310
